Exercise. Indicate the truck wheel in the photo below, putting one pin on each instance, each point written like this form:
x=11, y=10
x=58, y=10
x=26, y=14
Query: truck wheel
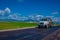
x=38, y=26
x=46, y=26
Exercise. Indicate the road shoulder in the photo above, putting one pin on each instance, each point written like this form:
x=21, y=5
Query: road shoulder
x=16, y=29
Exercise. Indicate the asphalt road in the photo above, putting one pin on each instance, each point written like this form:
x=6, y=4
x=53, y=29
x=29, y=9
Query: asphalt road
x=27, y=34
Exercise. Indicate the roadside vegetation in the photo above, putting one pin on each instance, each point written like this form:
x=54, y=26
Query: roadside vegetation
x=55, y=24
x=12, y=25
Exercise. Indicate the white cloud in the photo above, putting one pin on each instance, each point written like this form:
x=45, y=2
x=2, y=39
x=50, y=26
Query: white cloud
x=7, y=10
x=13, y=16
x=17, y=17
x=39, y=16
x=10, y=17
x=50, y=16
x=23, y=18
x=35, y=17
x=31, y=17
x=2, y=12
x=55, y=12
x=5, y=13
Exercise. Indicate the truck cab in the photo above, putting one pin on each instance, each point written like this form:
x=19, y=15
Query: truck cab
x=45, y=23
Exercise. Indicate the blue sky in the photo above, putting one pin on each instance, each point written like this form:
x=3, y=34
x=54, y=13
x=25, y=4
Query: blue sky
x=32, y=7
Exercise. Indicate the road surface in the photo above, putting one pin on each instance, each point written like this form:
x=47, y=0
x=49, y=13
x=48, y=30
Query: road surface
x=27, y=34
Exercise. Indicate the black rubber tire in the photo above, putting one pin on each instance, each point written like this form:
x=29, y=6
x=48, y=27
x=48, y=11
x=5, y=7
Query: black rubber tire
x=48, y=26
x=45, y=26
x=39, y=26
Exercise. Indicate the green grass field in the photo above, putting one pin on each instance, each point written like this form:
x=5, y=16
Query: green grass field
x=12, y=25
